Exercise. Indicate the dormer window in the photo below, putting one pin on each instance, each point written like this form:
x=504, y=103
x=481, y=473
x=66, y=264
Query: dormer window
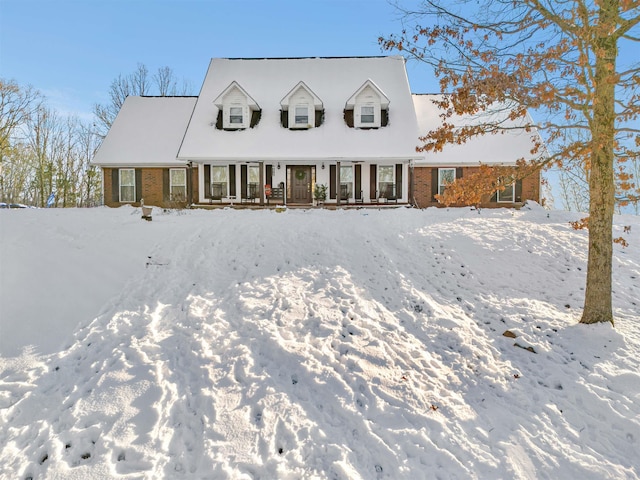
x=235, y=116
x=236, y=109
x=367, y=114
x=367, y=108
x=302, y=115
x=301, y=108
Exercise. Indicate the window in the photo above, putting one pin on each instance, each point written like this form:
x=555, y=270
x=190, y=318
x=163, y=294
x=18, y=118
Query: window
x=127, y=185
x=346, y=182
x=386, y=181
x=302, y=115
x=218, y=181
x=177, y=184
x=445, y=177
x=367, y=114
x=508, y=194
x=235, y=116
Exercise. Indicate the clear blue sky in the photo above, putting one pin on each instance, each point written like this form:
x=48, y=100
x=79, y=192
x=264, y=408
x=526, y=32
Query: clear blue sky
x=72, y=50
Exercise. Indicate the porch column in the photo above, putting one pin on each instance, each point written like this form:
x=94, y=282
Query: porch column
x=261, y=186
x=338, y=183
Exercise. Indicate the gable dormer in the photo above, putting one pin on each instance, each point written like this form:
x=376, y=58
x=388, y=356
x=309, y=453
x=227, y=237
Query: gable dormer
x=236, y=109
x=368, y=107
x=301, y=108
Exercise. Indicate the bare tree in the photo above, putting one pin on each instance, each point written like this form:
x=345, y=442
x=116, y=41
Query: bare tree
x=163, y=83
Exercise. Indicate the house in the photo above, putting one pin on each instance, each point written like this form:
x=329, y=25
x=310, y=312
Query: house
x=432, y=172
x=270, y=131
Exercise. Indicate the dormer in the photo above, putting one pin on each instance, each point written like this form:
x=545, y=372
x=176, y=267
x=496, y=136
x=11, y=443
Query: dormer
x=236, y=109
x=301, y=108
x=367, y=108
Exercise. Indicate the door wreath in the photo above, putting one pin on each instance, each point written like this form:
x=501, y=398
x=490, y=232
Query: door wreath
x=300, y=174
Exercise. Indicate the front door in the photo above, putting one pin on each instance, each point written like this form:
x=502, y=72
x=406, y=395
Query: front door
x=300, y=181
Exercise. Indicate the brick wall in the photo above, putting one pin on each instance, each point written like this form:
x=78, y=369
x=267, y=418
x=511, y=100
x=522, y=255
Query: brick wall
x=153, y=188
x=422, y=196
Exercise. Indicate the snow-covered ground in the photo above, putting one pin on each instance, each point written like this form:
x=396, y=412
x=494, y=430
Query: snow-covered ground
x=313, y=344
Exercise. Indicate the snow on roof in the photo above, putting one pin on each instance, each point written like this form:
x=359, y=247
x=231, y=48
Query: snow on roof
x=147, y=131
x=333, y=80
x=499, y=149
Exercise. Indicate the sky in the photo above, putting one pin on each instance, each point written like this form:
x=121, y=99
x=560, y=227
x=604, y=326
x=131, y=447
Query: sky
x=72, y=50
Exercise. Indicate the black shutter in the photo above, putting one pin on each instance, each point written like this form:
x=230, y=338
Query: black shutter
x=268, y=175
x=348, y=118
x=434, y=184
x=319, y=117
x=255, y=118
x=166, y=189
x=138, y=184
x=243, y=181
x=284, y=118
x=518, y=190
x=232, y=180
x=115, y=185
x=207, y=181
x=398, y=180
x=459, y=172
x=219, y=120
x=332, y=181
x=358, y=182
x=384, y=118
x=373, y=181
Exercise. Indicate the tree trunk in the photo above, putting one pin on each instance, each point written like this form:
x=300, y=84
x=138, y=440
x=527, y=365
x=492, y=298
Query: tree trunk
x=597, y=305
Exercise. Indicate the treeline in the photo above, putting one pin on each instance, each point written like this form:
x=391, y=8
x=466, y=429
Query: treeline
x=45, y=155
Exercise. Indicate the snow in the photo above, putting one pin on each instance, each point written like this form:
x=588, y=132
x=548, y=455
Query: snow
x=313, y=344
x=334, y=81
x=147, y=132
x=491, y=149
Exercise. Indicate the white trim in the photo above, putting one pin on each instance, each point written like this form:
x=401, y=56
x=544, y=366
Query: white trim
x=172, y=185
x=513, y=193
x=440, y=184
x=120, y=185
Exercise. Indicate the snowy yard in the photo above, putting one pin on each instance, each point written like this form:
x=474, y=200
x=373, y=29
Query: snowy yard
x=355, y=344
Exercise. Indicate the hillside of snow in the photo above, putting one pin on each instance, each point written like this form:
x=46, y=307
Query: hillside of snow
x=313, y=344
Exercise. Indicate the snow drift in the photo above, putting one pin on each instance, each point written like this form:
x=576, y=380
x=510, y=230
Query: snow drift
x=313, y=344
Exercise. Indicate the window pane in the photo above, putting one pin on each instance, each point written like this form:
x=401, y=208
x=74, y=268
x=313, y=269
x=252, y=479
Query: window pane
x=367, y=114
x=445, y=176
x=235, y=115
x=254, y=174
x=127, y=177
x=219, y=174
x=506, y=195
x=346, y=174
x=178, y=193
x=178, y=177
x=127, y=194
x=302, y=115
x=385, y=173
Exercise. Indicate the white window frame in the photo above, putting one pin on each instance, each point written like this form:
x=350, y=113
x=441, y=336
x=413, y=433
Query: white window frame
x=379, y=177
x=441, y=184
x=358, y=112
x=173, y=185
x=348, y=168
x=296, y=123
x=120, y=185
x=512, y=189
x=231, y=115
x=225, y=170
